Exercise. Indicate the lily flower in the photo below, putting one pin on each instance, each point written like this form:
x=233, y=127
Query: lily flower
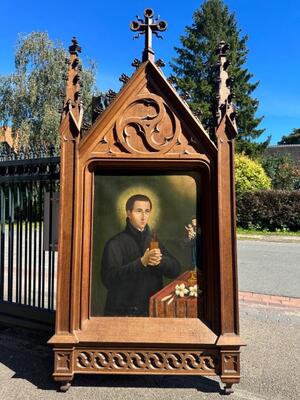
x=181, y=290
x=194, y=291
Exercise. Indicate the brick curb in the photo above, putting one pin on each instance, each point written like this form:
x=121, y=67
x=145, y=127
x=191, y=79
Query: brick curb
x=269, y=300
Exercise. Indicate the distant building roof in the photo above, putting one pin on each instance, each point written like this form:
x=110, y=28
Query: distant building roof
x=292, y=150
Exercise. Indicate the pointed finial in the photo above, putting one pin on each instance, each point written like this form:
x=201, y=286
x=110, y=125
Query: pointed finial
x=173, y=81
x=74, y=48
x=136, y=63
x=160, y=63
x=72, y=99
x=98, y=106
x=223, y=97
x=124, y=78
x=148, y=27
x=85, y=126
x=111, y=94
x=185, y=95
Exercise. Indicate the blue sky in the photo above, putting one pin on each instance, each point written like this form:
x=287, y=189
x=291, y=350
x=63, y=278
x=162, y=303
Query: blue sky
x=102, y=29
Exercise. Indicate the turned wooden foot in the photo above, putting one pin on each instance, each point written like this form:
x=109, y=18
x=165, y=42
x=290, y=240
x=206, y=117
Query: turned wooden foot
x=228, y=389
x=64, y=386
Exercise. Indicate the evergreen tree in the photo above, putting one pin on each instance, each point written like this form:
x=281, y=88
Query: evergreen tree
x=292, y=138
x=30, y=98
x=195, y=65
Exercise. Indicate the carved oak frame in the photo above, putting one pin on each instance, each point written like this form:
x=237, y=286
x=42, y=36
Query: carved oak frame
x=85, y=344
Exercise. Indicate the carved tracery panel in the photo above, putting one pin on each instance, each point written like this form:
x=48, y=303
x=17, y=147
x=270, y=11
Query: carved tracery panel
x=147, y=125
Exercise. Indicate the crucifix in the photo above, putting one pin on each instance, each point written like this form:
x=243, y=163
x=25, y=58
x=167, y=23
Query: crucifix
x=148, y=27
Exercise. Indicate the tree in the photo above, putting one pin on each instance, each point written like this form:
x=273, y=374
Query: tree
x=249, y=175
x=283, y=172
x=292, y=138
x=30, y=97
x=194, y=70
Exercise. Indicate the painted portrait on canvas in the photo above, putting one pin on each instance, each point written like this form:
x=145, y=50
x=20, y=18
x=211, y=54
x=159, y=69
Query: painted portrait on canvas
x=146, y=246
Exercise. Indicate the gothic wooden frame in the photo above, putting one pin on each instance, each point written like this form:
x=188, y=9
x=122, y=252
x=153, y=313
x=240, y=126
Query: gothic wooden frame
x=85, y=344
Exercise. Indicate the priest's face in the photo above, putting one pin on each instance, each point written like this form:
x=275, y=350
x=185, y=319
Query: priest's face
x=139, y=214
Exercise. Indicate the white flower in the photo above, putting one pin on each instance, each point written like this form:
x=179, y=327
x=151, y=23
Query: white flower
x=181, y=290
x=194, y=291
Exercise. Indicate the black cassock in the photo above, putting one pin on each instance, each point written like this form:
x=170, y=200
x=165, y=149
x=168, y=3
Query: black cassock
x=129, y=284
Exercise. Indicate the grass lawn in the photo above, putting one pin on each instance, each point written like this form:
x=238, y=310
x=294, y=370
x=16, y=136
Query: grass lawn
x=278, y=233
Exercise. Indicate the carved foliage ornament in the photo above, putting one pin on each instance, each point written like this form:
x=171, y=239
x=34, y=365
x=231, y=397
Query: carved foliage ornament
x=144, y=360
x=147, y=125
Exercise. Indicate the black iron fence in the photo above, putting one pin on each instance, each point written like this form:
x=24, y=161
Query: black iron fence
x=29, y=186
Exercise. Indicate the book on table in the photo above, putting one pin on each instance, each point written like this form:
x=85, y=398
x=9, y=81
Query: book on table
x=168, y=304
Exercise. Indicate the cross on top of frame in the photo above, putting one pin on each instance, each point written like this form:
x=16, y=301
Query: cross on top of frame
x=148, y=27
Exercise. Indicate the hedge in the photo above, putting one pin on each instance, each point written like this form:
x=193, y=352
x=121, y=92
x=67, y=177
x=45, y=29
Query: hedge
x=269, y=209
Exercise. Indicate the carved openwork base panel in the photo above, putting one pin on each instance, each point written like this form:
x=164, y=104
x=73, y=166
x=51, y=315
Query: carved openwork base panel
x=130, y=361
x=143, y=361
x=87, y=360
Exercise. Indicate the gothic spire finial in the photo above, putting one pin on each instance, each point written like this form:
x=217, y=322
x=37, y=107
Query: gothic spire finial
x=74, y=48
x=72, y=100
x=148, y=27
x=224, y=96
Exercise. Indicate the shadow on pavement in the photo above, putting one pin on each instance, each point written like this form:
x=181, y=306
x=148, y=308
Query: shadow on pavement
x=28, y=356
x=200, y=383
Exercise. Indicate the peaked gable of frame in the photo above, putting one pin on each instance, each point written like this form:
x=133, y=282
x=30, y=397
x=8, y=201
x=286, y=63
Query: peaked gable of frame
x=149, y=120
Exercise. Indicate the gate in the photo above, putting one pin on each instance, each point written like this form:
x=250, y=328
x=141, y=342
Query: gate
x=29, y=185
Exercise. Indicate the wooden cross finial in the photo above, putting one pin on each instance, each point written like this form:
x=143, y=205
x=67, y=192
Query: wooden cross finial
x=148, y=27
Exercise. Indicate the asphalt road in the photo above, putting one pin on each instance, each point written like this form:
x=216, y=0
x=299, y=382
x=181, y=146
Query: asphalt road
x=269, y=267
x=270, y=368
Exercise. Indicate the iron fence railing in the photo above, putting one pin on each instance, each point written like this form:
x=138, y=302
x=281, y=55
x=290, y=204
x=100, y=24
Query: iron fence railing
x=28, y=221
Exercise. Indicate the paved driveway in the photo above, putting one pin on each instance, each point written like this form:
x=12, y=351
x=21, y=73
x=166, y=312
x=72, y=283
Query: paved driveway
x=269, y=367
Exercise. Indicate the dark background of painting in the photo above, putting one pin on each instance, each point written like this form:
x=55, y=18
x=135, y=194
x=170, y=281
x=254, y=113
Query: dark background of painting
x=177, y=203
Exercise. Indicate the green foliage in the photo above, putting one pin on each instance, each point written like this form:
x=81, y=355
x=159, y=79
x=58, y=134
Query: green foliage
x=249, y=175
x=249, y=148
x=194, y=68
x=264, y=232
x=31, y=97
x=292, y=138
x=283, y=172
x=272, y=210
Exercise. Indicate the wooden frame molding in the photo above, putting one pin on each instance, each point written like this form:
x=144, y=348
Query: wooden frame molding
x=207, y=345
